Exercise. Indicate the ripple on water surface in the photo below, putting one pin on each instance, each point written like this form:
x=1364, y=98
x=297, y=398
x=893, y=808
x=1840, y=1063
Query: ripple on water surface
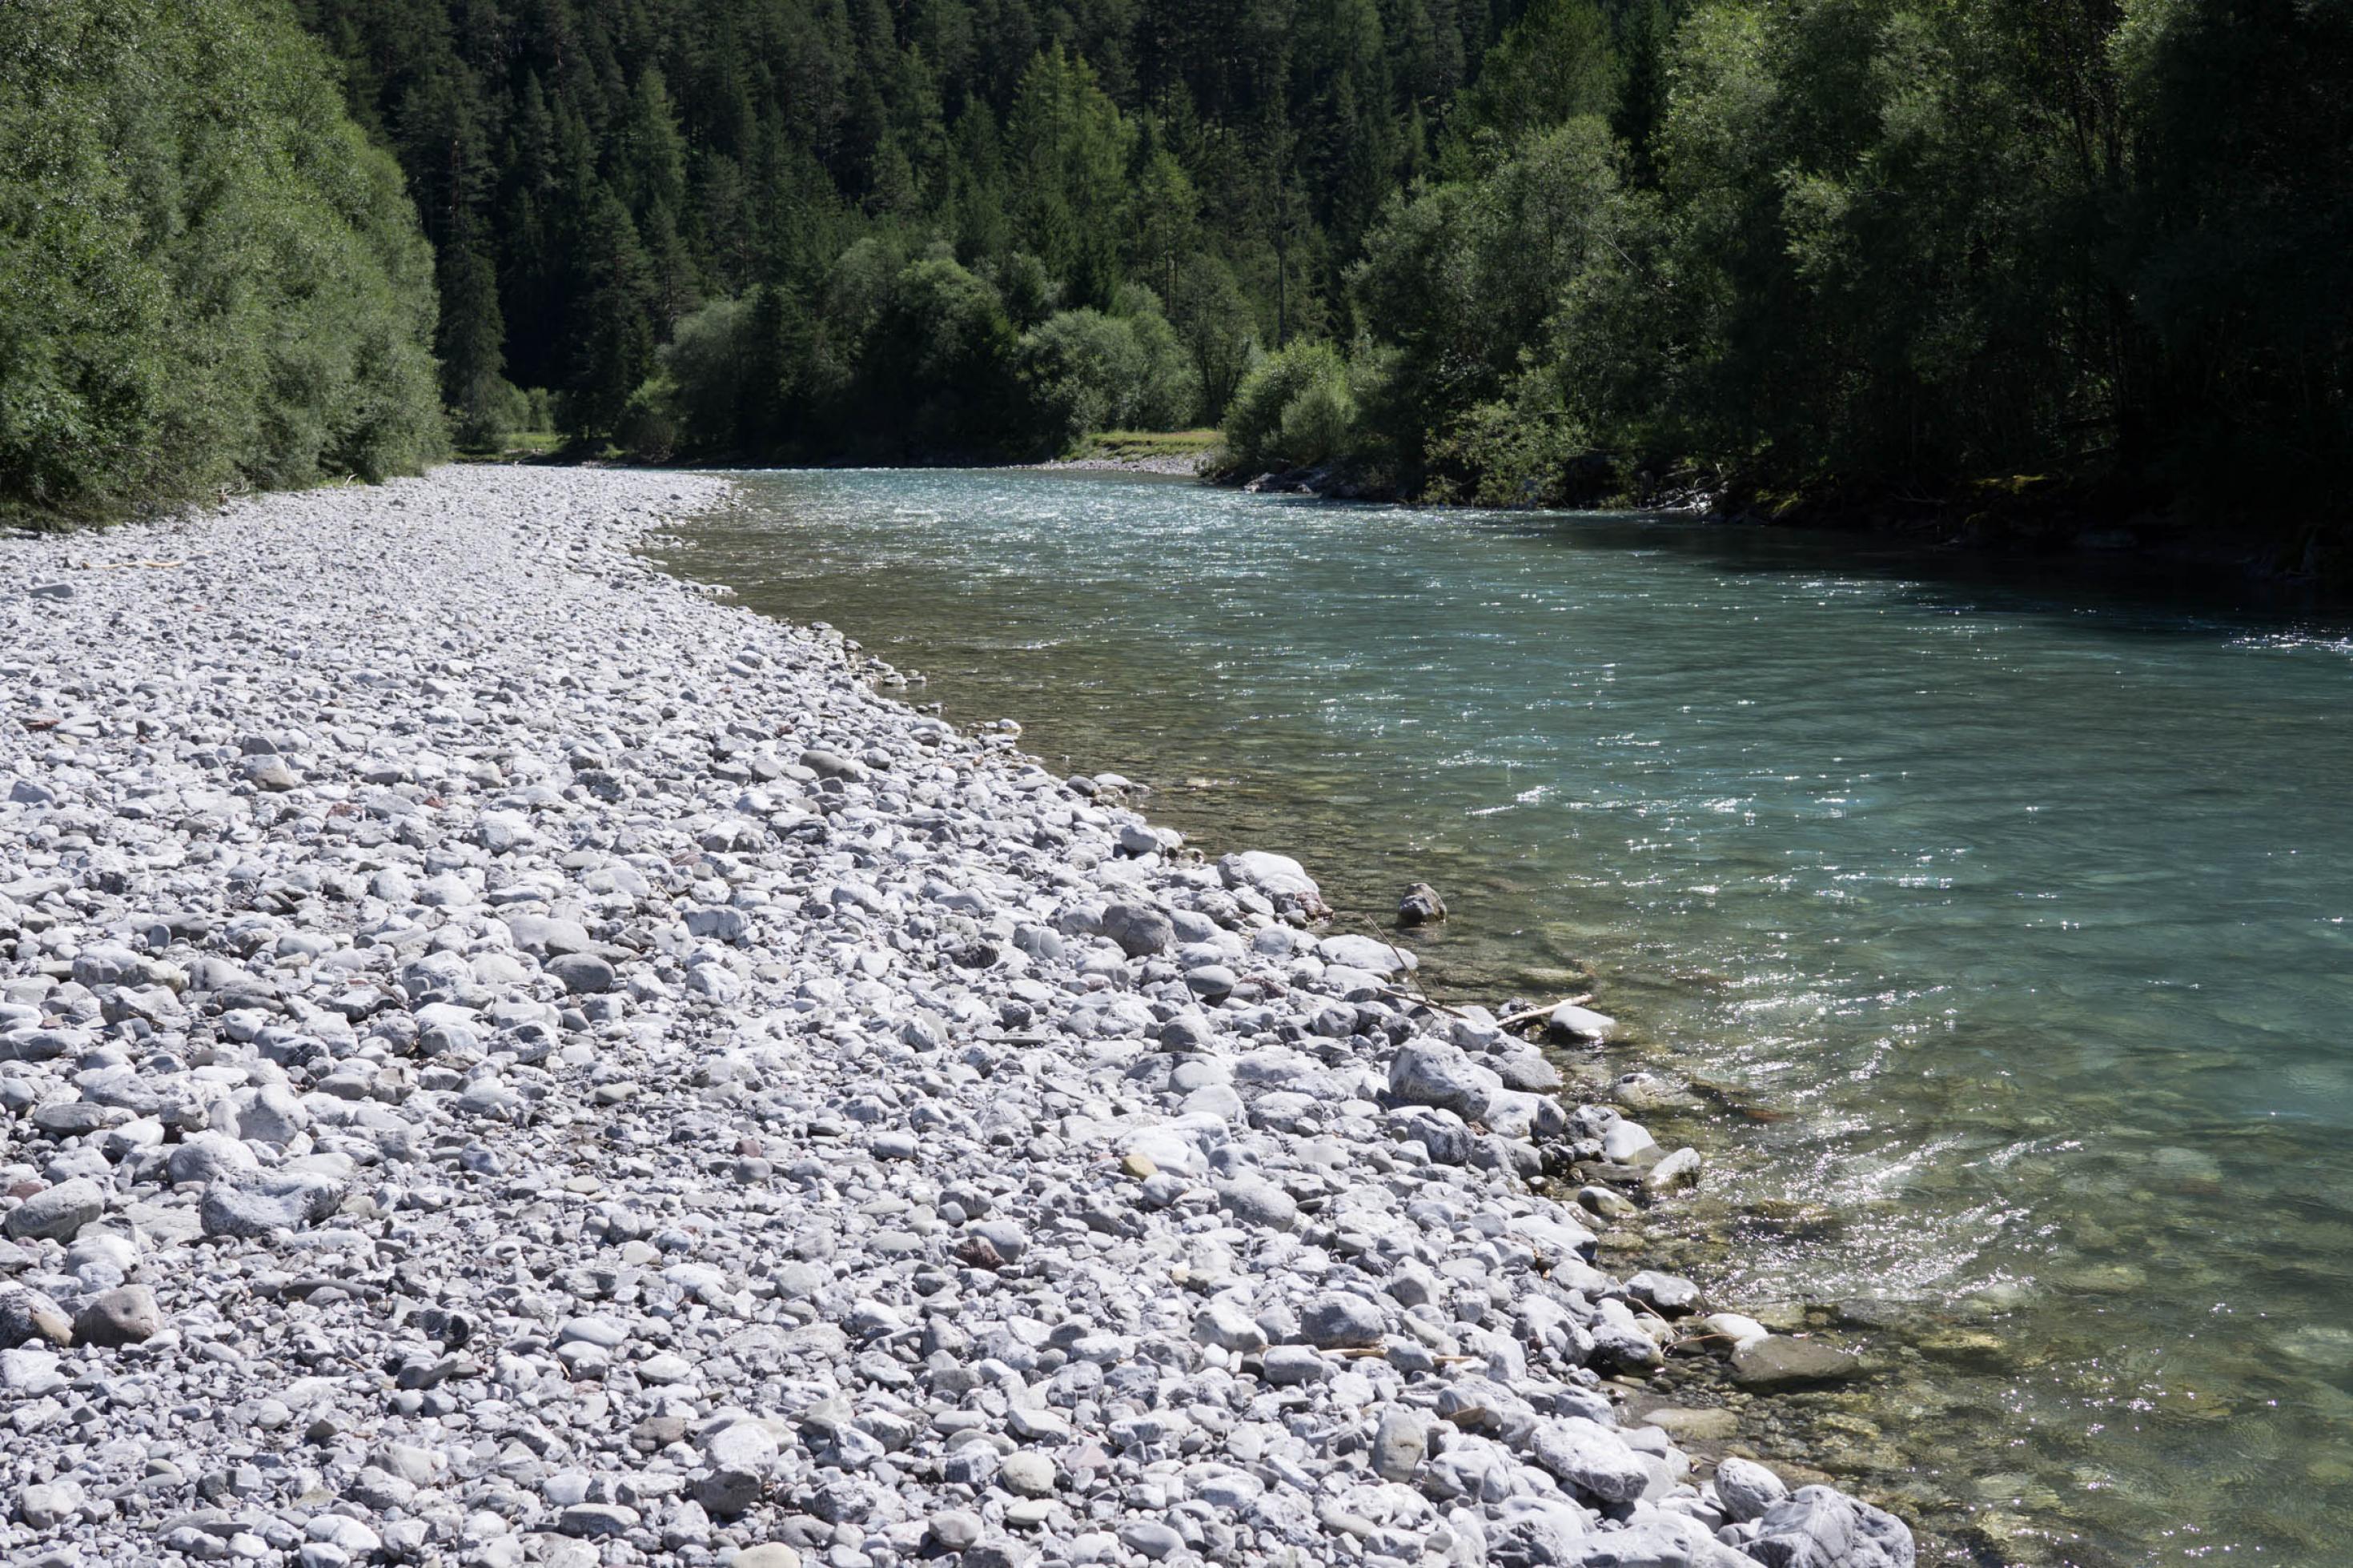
x=2011, y=926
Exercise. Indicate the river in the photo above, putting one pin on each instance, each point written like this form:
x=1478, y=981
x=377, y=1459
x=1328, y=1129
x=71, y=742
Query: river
x=2011, y=922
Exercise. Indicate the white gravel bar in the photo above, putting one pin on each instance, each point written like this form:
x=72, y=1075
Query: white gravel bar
x=506, y=1058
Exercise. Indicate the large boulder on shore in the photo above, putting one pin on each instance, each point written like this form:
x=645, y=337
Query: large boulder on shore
x=1430, y=1072
x=1591, y=1458
x=1139, y=929
x=1368, y=953
x=1817, y=1527
x=1283, y=881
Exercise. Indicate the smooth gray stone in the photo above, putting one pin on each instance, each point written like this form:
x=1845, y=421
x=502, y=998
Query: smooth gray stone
x=1139, y=929
x=57, y=1212
x=1817, y=1527
x=1285, y=1365
x=28, y=1317
x=1747, y=1489
x=1434, y=1073
x=1338, y=1322
x=1154, y=1539
x=582, y=973
x=1259, y=1202
x=263, y=1202
x=1398, y=1444
x=1592, y=1457
x=1777, y=1361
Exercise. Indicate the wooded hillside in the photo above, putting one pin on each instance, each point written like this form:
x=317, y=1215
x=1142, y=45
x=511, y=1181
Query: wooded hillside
x=1519, y=251
x=1942, y=255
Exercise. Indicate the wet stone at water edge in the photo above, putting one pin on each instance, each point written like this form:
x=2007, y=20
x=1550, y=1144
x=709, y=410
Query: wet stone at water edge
x=505, y=1060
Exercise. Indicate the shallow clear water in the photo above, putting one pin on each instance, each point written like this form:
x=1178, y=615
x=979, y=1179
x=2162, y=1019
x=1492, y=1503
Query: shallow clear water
x=2014, y=927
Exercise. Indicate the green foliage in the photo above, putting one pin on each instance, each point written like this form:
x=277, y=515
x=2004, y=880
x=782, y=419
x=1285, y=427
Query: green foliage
x=913, y=361
x=484, y=404
x=1882, y=245
x=713, y=367
x=1295, y=408
x=1463, y=280
x=1215, y=327
x=1167, y=215
x=1070, y=147
x=938, y=374
x=613, y=288
x=192, y=302
x=1029, y=292
x=1554, y=65
x=2239, y=374
x=1087, y=372
x=1527, y=451
x=1888, y=244
x=648, y=427
x=591, y=175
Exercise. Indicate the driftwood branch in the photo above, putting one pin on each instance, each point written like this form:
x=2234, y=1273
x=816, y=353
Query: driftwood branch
x=1532, y=1014
x=1397, y=992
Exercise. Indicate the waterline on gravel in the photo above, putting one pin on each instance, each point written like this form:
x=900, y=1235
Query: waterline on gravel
x=2011, y=922
x=507, y=1060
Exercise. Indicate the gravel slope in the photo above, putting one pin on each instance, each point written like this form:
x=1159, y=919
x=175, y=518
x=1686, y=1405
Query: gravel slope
x=504, y=1060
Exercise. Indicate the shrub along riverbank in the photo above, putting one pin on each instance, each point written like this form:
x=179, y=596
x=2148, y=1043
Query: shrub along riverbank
x=208, y=280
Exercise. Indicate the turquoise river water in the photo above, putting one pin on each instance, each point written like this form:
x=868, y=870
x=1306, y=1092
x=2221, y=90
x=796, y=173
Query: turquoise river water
x=2004, y=932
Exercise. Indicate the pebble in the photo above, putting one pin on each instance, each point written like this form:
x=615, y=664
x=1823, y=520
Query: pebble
x=1670, y=1295
x=507, y=1059
x=1138, y=928
x=1287, y=1365
x=30, y=1315
x=955, y=1528
x=1626, y=1142
x=1581, y=1024
x=1734, y=1327
x=1398, y=1444
x=46, y=1507
x=1027, y=1474
x=1421, y=906
x=1154, y=1539
x=1332, y=1321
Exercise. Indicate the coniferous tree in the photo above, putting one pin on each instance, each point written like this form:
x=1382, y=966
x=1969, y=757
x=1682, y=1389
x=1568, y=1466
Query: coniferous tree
x=615, y=294
x=470, y=343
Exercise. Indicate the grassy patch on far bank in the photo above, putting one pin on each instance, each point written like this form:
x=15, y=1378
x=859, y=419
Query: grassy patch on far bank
x=1136, y=446
x=529, y=447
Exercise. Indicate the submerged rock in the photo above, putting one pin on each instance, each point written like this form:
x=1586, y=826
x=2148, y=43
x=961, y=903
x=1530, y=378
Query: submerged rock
x=1421, y=906
x=1572, y=1021
x=1777, y=1361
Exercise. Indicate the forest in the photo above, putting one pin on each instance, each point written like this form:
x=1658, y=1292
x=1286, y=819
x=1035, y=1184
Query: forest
x=1498, y=251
